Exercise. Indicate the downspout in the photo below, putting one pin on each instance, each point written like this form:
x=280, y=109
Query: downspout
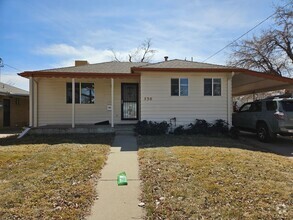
x=229, y=100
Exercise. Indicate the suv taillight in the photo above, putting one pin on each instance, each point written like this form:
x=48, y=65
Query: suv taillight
x=279, y=115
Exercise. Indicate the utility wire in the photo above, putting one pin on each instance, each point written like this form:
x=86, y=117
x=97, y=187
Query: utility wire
x=2, y=64
x=5, y=64
x=245, y=33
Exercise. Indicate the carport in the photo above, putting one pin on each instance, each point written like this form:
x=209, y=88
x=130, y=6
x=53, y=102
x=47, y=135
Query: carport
x=245, y=82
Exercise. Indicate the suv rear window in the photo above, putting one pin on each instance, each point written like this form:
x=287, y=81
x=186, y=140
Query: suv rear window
x=287, y=106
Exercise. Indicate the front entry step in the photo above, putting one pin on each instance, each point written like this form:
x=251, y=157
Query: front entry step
x=124, y=129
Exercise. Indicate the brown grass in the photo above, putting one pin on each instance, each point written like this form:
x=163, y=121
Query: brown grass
x=50, y=177
x=203, y=182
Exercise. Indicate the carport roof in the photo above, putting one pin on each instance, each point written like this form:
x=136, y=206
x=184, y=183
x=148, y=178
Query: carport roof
x=250, y=82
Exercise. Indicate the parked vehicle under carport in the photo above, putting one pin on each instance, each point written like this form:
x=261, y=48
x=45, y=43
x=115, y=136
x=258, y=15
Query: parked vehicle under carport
x=267, y=118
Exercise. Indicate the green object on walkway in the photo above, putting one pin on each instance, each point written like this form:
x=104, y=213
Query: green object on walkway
x=121, y=179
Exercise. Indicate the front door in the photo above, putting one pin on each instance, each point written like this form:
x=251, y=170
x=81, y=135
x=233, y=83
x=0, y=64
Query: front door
x=129, y=101
x=6, y=112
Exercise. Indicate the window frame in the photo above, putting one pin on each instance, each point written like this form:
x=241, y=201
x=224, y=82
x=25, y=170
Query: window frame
x=179, y=86
x=212, y=85
x=80, y=92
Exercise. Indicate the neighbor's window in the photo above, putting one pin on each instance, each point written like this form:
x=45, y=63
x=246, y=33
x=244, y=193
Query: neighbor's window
x=212, y=87
x=179, y=87
x=84, y=93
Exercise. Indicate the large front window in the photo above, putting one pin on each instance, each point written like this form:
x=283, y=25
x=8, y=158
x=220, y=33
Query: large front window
x=84, y=93
x=179, y=87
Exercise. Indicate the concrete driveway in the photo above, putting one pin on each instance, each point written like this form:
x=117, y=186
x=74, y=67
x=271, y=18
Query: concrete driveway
x=281, y=145
x=6, y=132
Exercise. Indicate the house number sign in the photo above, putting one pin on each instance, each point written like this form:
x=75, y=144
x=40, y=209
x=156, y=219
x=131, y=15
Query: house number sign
x=148, y=98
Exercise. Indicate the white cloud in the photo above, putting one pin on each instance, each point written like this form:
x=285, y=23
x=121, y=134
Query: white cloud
x=68, y=53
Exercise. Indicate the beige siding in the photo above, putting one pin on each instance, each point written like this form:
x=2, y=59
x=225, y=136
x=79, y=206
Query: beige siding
x=52, y=107
x=186, y=109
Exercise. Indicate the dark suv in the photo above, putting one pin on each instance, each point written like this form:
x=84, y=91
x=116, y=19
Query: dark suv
x=267, y=117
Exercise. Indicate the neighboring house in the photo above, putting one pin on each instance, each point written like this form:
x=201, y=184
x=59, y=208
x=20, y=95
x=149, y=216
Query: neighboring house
x=14, y=106
x=124, y=92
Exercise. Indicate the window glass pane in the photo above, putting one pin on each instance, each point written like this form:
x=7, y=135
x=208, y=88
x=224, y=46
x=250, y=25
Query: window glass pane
x=287, y=106
x=217, y=87
x=245, y=108
x=77, y=93
x=271, y=105
x=87, y=93
x=69, y=92
x=184, y=87
x=207, y=87
x=174, y=87
x=255, y=107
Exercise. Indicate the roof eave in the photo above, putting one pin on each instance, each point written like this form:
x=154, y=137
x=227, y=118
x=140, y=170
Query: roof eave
x=75, y=74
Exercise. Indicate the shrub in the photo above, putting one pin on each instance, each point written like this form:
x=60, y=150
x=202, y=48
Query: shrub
x=151, y=128
x=201, y=126
x=179, y=130
x=220, y=126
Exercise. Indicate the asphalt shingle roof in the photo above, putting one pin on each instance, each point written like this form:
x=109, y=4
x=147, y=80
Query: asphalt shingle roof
x=107, y=67
x=6, y=89
x=183, y=64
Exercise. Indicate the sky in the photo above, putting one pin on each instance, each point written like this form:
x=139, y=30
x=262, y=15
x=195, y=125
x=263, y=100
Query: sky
x=46, y=34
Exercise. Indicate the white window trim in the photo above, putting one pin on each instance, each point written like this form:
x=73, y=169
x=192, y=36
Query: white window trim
x=212, y=78
x=180, y=86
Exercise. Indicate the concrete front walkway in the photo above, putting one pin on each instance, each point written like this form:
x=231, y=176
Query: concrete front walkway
x=119, y=202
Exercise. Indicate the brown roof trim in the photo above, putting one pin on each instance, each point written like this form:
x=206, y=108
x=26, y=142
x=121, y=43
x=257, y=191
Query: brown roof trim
x=76, y=75
x=217, y=70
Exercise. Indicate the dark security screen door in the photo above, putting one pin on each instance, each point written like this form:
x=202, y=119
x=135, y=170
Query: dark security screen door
x=6, y=112
x=129, y=100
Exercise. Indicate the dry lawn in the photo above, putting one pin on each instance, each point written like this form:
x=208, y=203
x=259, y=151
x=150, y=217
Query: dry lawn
x=205, y=182
x=50, y=177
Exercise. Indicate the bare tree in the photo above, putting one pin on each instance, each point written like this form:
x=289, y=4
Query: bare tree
x=271, y=52
x=143, y=53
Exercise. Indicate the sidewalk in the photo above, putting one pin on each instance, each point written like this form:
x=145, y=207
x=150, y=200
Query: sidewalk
x=119, y=202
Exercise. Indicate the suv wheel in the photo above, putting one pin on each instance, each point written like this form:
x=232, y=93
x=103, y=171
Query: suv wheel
x=263, y=133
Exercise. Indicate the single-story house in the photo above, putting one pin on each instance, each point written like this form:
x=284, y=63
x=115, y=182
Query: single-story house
x=14, y=106
x=125, y=92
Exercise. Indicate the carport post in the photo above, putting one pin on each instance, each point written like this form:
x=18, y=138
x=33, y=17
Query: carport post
x=73, y=104
x=31, y=101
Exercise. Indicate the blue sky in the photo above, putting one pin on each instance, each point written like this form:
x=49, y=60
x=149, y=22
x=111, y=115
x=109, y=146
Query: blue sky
x=46, y=34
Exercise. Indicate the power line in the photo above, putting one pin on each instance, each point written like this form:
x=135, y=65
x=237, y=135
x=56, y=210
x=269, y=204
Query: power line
x=5, y=64
x=2, y=64
x=244, y=34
